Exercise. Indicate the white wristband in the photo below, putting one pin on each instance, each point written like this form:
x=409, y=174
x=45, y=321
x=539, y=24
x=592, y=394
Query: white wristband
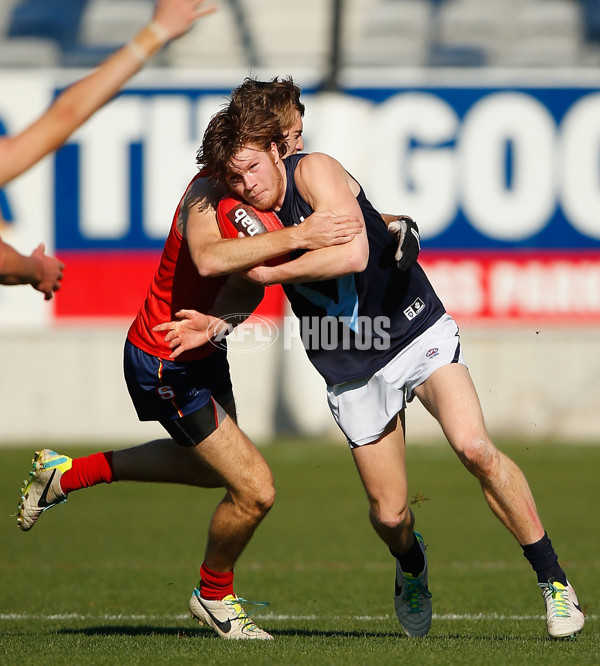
x=160, y=32
x=138, y=51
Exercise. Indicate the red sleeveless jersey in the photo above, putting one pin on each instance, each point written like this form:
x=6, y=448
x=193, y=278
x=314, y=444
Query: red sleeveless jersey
x=176, y=285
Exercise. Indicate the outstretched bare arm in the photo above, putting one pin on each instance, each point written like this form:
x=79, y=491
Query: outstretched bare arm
x=171, y=19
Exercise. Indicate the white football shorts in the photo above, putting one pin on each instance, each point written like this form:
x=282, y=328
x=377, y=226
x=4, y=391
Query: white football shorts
x=363, y=407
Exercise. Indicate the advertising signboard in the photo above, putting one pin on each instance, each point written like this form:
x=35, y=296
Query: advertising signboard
x=503, y=180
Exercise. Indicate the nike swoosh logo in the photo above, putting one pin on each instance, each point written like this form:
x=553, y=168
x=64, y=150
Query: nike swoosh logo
x=397, y=587
x=225, y=627
x=43, y=501
x=578, y=607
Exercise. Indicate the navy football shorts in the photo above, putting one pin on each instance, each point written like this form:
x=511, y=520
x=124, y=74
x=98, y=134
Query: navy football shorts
x=187, y=398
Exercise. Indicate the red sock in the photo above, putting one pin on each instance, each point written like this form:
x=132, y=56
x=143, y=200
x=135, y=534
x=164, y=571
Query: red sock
x=88, y=471
x=215, y=585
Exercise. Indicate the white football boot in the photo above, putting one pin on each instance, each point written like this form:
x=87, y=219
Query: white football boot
x=42, y=491
x=564, y=616
x=226, y=617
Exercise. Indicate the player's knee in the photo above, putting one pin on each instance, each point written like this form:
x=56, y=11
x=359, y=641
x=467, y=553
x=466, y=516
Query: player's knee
x=260, y=504
x=391, y=516
x=480, y=456
x=259, y=496
x=265, y=497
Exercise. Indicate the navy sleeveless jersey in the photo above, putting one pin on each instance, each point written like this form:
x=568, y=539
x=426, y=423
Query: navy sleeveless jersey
x=353, y=325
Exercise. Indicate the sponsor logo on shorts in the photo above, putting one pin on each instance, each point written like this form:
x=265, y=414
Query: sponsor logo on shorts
x=433, y=352
x=415, y=308
x=166, y=392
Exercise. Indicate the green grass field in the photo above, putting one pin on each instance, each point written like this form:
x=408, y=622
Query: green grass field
x=105, y=579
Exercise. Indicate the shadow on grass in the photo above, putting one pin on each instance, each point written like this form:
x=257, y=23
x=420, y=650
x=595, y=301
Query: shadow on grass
x=209, y=634
x=145, y=630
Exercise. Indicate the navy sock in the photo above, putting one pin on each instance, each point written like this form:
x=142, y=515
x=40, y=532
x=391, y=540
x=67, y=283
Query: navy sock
x=413, y=561
x=544, y=561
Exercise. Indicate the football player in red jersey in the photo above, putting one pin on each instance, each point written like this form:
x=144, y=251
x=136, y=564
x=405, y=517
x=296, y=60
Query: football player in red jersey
x=192, y=397
x=19, y=152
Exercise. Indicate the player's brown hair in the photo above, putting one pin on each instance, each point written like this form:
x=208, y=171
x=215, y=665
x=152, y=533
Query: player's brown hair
x=230, y=130
x=281, y=96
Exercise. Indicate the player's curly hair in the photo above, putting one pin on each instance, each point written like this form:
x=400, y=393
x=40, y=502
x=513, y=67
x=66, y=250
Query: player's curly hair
x=281, y=96
x=230, y=130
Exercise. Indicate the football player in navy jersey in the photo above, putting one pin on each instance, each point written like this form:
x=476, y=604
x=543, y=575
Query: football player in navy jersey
x=387, y=338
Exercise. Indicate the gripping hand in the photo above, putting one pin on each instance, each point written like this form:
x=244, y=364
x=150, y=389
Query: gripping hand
x=406, y=232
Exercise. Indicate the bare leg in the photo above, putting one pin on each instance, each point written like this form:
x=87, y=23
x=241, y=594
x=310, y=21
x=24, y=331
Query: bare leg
x=450, y=396
x=382, y=469
x=163, y=461
x=244, y=473
x=226, y=459
x=166, y=461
